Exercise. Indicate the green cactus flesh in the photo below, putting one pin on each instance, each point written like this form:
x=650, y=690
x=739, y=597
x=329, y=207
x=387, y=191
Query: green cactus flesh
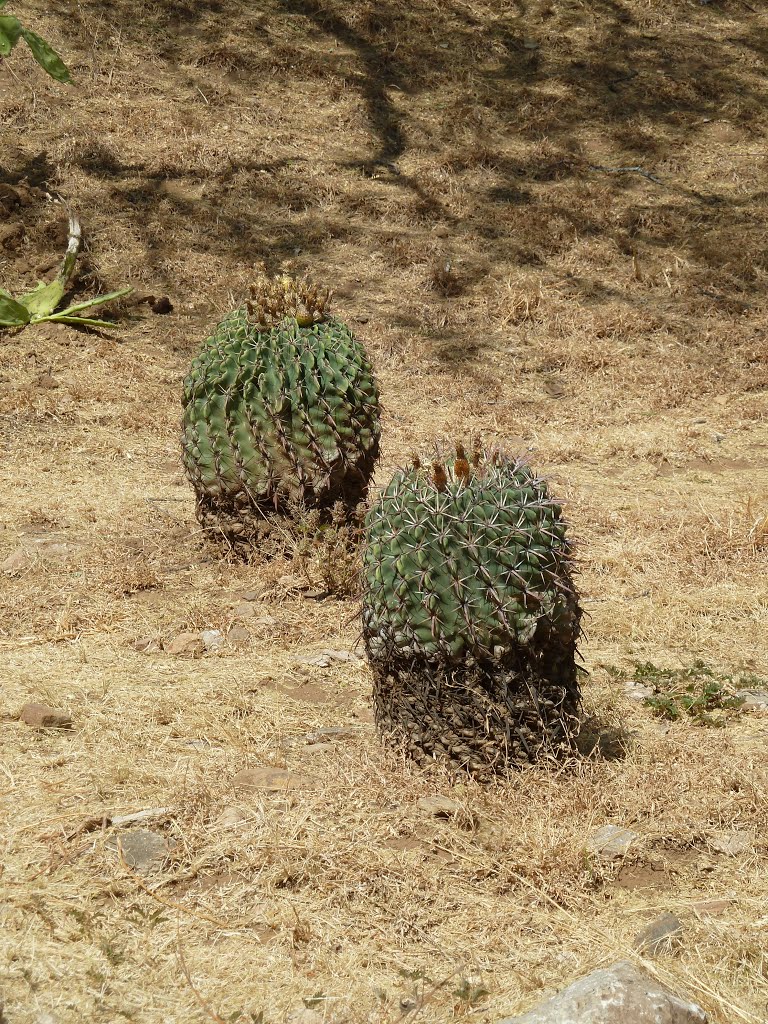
x=470, y=618
x=276, y=416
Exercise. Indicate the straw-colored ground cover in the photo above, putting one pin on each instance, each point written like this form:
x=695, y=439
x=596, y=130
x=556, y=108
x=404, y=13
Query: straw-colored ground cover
x=612, y=322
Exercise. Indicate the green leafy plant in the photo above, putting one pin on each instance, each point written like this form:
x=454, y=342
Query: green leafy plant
x=40, y=304
x=694, y=692
x=11, y=31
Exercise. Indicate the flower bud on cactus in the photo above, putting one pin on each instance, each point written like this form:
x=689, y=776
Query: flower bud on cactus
x=470, y=618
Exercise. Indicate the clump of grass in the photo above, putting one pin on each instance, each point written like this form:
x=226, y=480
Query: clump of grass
x=694, y=692
x=326, y=553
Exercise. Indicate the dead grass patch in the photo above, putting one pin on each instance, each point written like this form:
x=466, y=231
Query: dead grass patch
x=592, y=178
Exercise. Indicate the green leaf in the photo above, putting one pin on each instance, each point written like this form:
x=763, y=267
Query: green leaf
x=12, y=313
x=62, y=318
x=10, y=30
x=97, y=301
x=46, y=57
x=43, y=299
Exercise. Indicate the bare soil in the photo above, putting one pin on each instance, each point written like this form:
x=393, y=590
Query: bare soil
x=548, y=221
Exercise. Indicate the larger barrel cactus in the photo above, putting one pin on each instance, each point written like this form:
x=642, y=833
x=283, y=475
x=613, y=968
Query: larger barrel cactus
x=281, y=409
x=470, y=617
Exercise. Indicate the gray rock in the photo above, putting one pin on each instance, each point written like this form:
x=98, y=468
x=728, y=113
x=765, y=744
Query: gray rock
x=611, y=842
x=342, y=655
x=330, y=734
x=637, y=691
x=45, y=1018
x=733, y=843
x=753, y=700
x=141, y=849
x=317, y=660
x=212, y=638
x=662, y=935
x=619, y=994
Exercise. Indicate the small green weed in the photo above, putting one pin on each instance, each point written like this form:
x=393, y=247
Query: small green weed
x=694, y=692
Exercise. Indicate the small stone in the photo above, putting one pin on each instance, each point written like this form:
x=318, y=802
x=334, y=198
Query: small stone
x=148, y=645
x=329, y=734
x=250, y=595
x=660, y=936
x=611, y=842
x=212, y=638
x=16, y=562
x=733, y=843
x=318, y=660
x=341, y=655
x=272, y=779
x=753, y=700
x=238, y=635
x=141, y=849
x=619, y=994
x=304, y=1015
x=712, y=908
x=43, y=716
x=230, y=817
x=439, y=806
x=244, y=611
x=637, y=691
x=318, y=748
x=188, y=644
x=42, y=1018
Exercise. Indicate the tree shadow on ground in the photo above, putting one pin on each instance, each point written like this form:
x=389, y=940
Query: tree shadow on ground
x=524, y=95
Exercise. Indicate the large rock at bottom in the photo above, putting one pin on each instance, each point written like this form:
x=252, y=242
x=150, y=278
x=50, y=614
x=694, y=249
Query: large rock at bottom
x=619, y=994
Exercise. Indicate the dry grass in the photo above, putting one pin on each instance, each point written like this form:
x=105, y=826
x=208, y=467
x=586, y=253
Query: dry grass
x=612, y=324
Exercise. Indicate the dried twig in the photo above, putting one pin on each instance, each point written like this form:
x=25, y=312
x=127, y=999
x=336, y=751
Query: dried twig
x=627, y=170
x=202, y=1003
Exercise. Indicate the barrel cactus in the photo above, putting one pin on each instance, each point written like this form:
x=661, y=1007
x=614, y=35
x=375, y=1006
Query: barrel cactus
x=281, y=410
x=470, y=616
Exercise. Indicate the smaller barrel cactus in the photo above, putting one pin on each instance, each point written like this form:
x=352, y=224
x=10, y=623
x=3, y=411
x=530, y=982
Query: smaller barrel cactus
x=470, y=617
x=281, y=409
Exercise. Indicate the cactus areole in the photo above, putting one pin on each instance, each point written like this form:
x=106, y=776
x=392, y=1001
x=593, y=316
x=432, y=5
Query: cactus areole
x=278, y=410
x=470, y=617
